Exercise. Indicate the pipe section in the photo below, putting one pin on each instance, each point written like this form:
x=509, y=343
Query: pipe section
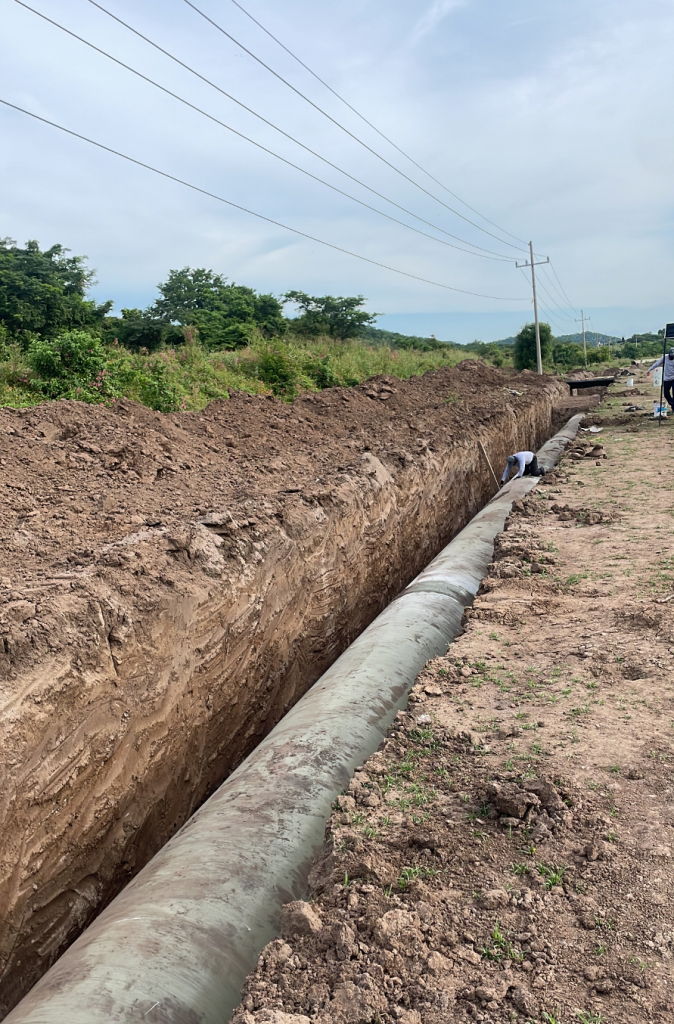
x=175, y=946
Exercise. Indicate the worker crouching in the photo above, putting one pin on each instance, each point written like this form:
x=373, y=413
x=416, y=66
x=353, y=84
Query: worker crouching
x=527, y=463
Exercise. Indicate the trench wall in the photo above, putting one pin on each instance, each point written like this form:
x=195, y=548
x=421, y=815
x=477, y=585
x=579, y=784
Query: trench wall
x=135, y=747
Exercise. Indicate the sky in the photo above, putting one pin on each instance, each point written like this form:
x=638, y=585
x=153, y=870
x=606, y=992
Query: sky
x=550, y=122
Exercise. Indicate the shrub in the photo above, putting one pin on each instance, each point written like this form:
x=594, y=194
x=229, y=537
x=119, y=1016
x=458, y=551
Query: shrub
x=320, y=371
x=276, y=370
x=568, y=354
x=72, y=365
x=71, y=354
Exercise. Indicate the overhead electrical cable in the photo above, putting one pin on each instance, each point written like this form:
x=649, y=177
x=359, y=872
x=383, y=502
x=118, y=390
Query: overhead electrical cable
x=489, y=253
x=253, y=213
x=211, y=117
x=552, y=268
x=371, y=125
x=550, y=281
x=555, y=323
x=342, y=127
x=562, y=312
x=540, y=303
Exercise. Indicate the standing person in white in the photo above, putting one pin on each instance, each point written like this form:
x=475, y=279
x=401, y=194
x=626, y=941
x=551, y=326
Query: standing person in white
x=528, y=466
x=667, y=363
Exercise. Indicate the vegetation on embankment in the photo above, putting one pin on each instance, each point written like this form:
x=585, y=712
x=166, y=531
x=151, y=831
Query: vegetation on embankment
x=204, y=336
x=78, y=365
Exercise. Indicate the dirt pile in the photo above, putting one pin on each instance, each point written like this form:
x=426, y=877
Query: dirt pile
x=171, y=584
x=506, y=854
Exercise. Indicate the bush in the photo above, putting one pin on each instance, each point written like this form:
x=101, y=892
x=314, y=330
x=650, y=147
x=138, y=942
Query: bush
x=568, y=354
x=191, y=375
x=320, y=371
x=72, y=365
x=73, y=353
x=158, y=391
x=276, y=370
x=237, y=335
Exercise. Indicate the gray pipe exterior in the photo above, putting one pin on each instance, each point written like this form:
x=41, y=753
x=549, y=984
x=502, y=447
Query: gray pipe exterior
x=175, y=946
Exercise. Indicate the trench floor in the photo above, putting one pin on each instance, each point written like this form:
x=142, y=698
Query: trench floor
x=507, y=853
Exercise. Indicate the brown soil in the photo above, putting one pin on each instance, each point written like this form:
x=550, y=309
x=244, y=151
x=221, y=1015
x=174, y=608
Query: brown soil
x=506, y=854
x=171, y=584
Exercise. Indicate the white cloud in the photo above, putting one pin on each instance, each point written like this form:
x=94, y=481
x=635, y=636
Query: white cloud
x=433, y=16
x=557, y=127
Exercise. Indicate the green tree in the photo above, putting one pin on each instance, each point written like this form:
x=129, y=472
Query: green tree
x=340, y=317
x=137, y=329
x=226, y=315
x=525, y=347
x=568, y=354
x=43, y=292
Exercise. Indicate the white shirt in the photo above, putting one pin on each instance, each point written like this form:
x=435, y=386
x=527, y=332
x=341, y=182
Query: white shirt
x=669, y=367
x=523, y=459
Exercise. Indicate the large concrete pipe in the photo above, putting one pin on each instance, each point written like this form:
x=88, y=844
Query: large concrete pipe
x=175, y=946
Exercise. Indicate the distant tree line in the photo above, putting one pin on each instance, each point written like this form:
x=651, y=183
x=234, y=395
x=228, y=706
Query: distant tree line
x=43, y=296
x=44, y=292
x=567, y=355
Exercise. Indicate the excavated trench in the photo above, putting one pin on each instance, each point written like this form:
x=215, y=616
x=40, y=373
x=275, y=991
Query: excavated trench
x=127, y=739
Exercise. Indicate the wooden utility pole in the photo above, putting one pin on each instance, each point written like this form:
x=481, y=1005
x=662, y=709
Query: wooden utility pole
x=532, y=264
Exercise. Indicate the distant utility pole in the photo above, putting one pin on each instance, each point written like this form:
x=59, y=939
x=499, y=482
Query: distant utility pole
x=582, y=320
x=532, y=264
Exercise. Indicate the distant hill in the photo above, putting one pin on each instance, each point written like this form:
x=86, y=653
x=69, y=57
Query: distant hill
x=377, y=336
x=591, y=338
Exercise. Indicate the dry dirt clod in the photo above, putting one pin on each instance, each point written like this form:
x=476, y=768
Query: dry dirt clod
x=495, y=898
x=299, y=918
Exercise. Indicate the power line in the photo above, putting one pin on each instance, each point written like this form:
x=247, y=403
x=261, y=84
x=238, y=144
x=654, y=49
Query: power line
x=558, y=294
x=341, y=126
x=551, y=297
x=253, y=213
x=370, y=124
x=490, y=254
x=552, y=268
x=555, y=322
x=544, y=308
x=265, y=149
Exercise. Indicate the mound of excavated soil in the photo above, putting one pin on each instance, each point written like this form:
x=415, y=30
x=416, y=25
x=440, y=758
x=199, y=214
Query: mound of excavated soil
x=506, y=854
x=171, y=584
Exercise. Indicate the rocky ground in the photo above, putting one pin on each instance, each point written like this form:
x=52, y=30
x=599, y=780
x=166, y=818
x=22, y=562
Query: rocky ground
x=507, y=853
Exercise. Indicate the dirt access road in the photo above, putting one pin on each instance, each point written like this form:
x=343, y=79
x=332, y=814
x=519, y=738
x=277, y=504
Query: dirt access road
x=507, y=853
